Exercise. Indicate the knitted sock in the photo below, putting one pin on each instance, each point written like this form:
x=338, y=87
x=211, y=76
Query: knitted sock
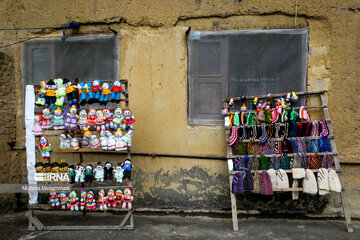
x=234, y=135
x=264, y=135
x=236, y=119
x=244, y=133
x=324, y=129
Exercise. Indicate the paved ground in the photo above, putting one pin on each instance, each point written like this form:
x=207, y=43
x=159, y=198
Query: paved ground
x=14, y=226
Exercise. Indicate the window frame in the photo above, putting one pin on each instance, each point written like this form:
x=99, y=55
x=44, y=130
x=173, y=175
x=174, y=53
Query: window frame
x=191, y=120
x=26, y=58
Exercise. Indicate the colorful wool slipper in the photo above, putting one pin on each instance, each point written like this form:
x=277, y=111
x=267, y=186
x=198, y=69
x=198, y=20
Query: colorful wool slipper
x=255, y=102
x=244, y=133
x=264, y=136
x=231, y=102
x=294, y=98
x=309, y=183
x=236, y=119
x=282, y=180
x=323, y=181
x=324, y=129
x=243, y=103
x=293, y=115
x=334, y=181
x=272, y=175
x=303, y=114
x=265, y=184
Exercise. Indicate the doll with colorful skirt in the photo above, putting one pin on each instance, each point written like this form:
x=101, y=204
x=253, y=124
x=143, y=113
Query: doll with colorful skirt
x=100, y=121
x=82, y=122
x=82, y=200
x=90, y=201
x=127, y=199
x=108, y=116
x=91, y=118
x=105, y=92
x=71, y=118
x=111, y=198
x=45, y=120
x=116, y=90
x=37, y=129
x=73, y=201
x=45, y=147
x=102, y=200
x=58, y=119
x=128, y=120
x=118, y=195
x=117, y=120
x=70, y=92
x=40, y=93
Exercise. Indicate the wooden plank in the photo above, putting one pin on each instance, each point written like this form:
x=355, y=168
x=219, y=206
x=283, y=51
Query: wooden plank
x=233, y=207
x=80, y=228
x=295, y=194
x=47, y=207
x=125, y=220
x=34, y=220
x=280, y=95
x=344, y=200
x=88, y=150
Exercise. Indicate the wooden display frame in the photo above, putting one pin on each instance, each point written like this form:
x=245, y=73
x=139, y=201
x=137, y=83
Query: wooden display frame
x=36, y=224
x=294, y=189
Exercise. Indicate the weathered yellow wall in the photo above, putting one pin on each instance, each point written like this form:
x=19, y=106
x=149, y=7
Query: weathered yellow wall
x=153, y=56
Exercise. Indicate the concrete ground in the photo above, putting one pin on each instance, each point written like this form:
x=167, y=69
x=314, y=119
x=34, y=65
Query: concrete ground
x=14, y=226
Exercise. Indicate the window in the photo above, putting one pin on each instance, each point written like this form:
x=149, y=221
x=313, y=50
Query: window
x=235, y=63
x=87, y=58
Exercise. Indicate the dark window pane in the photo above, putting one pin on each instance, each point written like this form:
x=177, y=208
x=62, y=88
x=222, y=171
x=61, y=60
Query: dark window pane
x=209, y=58
x=40, y=64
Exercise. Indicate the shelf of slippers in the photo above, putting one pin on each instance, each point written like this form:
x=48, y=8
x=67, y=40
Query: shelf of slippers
x=227, y=128
x=232, y=172
x=231, y=156
x=280, y=139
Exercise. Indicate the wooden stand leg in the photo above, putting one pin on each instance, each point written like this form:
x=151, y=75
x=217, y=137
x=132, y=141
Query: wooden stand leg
x=34, y=220
x=233, y=207
x=345, y=206
x=295, y=194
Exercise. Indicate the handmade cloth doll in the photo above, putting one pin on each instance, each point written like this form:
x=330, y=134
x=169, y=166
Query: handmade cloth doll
x=72, y=174
x=71, y=118
x=40, y=93
x=105, y=92
x=100, y=121
x=96, y=88
x=94, y=141
x=104, y=140
x=39, y=166
x=82, y=122
x=91, y=118
x=117, y=120
x=108, y=171
x=120, y=144
x=89, y=173
x=73, y=201
x=80, y=173
x=55, y=167
x=111, y=198
x=102, y=200
x=127, y=138
x=47, y=166
x=127, y=198
x=127, y=168
x=74, y=143
x=118, y=195
x=63, y=166
x=99, y=172
x=58, y=119
x=119, y=173
x=45, y=120
x=60, y=92
x=108, y=116
x=64, y=200
x=70, y=92
x=45, y=147
x=116, y=90
x=128, y=120
x=50, y=95
x=111, y=140
x=82, y=90
x=90, y=201
x=64, y=141
x=82, y=200
x=90, y=94
x=37, y=129
x=54, y=199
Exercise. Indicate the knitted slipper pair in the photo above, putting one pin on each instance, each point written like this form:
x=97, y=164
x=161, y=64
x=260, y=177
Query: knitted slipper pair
x=244, y=133
x=309, y=183
x=314, y=128
x=324, y=129
x=265, y=183
x=323, y=181
x=303, y=114
x=264, y=136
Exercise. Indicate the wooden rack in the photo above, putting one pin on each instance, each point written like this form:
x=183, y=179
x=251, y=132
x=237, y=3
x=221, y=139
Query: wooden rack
x=36, y=224
x=294, y=189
